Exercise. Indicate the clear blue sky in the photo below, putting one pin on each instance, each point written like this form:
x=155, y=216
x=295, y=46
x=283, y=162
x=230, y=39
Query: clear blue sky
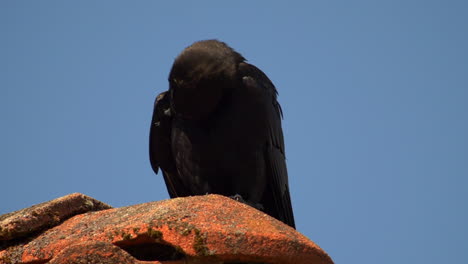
x=374, y=93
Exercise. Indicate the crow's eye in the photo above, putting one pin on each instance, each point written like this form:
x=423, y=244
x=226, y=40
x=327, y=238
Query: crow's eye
x=178, y=83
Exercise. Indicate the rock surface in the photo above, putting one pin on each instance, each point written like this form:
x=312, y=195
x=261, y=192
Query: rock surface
x=41, y=216
x=198, y=229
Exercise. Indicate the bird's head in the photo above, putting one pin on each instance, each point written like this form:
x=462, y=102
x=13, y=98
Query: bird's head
x=200, y=76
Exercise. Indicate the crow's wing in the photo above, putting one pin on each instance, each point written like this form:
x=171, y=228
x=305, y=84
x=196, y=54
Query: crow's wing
x=160, y=149
x=276, y=201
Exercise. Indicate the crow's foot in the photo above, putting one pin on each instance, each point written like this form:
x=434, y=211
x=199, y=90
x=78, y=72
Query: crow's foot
x=239, y=198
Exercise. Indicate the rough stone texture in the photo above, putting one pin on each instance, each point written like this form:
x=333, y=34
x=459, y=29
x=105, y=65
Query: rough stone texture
x=96, y=252
x=41, y=216
x=199, y=229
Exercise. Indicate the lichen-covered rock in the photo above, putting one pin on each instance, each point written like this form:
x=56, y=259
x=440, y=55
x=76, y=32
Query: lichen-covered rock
x=45, y=215
x=96, y=252
x=198, y=229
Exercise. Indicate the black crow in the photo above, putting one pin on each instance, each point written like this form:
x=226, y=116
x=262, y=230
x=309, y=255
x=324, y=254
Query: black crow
x=218, y=130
